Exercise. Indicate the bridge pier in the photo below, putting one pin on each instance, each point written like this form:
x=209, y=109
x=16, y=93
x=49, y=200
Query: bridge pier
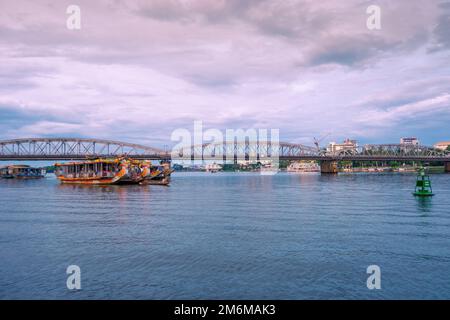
x=328, y=166
x=447, y=167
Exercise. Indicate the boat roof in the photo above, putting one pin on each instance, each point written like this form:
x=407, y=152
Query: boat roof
x=103, y=160
x=88, y=162
x=17, y=166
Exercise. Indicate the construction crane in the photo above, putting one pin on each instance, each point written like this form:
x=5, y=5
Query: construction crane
x=317, y=141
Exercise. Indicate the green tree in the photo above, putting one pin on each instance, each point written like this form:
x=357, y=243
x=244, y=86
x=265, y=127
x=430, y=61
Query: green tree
x=283, y=164
x=394, y=164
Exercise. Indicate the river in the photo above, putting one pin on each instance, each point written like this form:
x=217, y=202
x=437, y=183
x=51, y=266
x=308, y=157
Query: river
x=227, y=236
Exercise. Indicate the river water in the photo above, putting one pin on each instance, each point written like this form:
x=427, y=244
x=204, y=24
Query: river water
x=227, y=236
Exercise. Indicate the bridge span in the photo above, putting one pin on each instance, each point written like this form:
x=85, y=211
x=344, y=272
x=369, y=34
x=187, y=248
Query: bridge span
x=265, y=150
x=56, y=149
x=75, y=149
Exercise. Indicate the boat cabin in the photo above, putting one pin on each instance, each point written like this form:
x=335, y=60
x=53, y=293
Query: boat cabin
x=21, y=171
x=88, y=169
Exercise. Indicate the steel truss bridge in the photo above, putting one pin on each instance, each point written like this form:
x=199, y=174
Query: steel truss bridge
x=289, y=151
x=74, y=149
x=78, y=149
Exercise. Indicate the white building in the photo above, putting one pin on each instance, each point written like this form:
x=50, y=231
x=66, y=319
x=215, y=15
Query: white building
x=347, y=145
x=410, y=141
x=443, y=145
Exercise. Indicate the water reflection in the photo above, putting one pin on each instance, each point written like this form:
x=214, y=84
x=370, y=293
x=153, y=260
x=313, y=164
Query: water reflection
x=104, y=188
x=20, y=182
x=424, y=204
x=123, y=192
x=328, y=177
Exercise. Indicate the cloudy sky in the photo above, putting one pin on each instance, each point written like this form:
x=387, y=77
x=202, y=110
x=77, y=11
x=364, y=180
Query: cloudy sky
x=137, y=70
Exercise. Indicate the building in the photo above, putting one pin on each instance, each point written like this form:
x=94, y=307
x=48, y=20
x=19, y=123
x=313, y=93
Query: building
x=412, y=141
x=443, y=145
x=347, y=145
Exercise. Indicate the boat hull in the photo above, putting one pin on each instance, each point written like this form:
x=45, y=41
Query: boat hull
x=160, y=182
x=158, y=177
x=92, y=181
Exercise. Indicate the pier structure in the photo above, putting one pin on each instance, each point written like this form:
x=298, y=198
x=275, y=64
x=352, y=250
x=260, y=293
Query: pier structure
x=329, y=166
x=447, y=167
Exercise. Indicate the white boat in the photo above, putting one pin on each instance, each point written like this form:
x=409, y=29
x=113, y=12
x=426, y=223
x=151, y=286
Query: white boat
x=303, y=166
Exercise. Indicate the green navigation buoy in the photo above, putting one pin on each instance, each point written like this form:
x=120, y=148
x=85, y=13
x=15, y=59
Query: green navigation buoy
x=423, y=185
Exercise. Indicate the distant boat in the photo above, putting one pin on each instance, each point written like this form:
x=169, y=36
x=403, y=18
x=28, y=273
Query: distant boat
x=103, y=171
x=213, y=167
x=21, y=172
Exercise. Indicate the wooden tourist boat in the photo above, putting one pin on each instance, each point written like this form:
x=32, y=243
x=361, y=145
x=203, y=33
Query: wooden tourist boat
x=159, y=175
x=21, y=172
x=103, y=171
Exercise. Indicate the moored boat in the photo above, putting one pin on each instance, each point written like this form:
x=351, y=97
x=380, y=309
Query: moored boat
x=303, y=166
x=102, y=171
x=21, y=172
x=137, y=171
x=159, y=175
